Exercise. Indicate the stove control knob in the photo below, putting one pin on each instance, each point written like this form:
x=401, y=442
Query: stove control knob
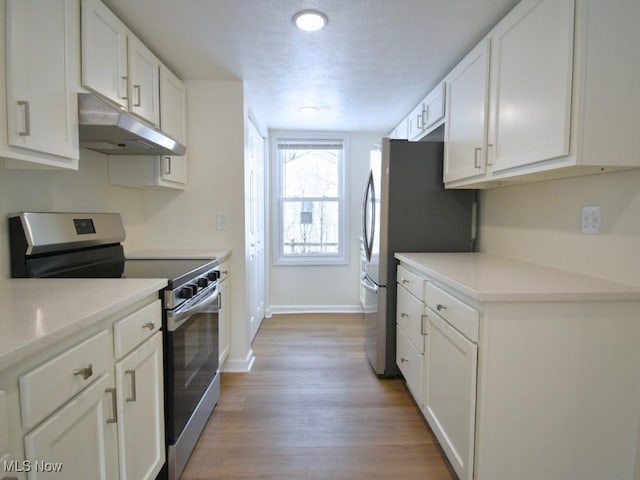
x=185, y=292
x=193, y=287
x=213, y=275
x=203, y=282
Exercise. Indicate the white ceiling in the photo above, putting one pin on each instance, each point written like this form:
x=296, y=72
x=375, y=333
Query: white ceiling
x=374, y=61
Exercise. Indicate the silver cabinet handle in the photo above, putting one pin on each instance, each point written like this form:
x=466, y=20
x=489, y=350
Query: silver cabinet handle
x=132, y=373
x=404, y=360
x=27, y=118
x=403, y=315
x=476, y=163
x=125, y=82
x=404, y=281
x=149, y=325
x=114, y=405
x=425, y=116
x=167, y=170
x=418, y=118
x=137, y=88
x=423, y=320
x=84, y=372
x=441, y=307
x=489, y=162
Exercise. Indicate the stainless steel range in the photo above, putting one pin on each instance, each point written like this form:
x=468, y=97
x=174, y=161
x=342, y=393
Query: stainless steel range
x=89, y=245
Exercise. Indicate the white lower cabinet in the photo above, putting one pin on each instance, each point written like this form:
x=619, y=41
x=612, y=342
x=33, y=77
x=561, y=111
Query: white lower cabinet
x=141, y=411
x=411, y=331
x=79, y=410
x=80, y=439
x=450, y=394
x=520, y=380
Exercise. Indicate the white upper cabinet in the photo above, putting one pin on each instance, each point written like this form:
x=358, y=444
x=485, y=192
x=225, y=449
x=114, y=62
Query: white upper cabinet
x=144, y=81
x=117, y=65
x=41, y=85
x=173, y=121
x=104, y=52
x=467, y=105
x=531, y=73
x=428, y=114
x=561, y=100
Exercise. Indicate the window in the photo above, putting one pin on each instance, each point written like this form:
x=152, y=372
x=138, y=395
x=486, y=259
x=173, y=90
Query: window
x=310, y=197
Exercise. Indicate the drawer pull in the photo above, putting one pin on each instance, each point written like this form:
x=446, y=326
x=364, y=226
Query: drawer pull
x=441, y=307
x=132, y=373
x=404, y=281
x=84, y=372
x=114, y=405
x=404, y=315
x=149, y=325
x=404, y=360
x=423, y=320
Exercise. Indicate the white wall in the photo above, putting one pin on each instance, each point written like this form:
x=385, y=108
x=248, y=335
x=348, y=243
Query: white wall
x=215, y=149
x=328, y=288
x=540, y=223
x=85, y=190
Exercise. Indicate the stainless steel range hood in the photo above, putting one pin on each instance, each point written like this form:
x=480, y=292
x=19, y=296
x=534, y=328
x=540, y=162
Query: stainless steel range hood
x=108, y=129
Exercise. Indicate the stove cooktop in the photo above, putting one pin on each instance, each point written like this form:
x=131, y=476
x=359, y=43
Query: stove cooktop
x=176, y=271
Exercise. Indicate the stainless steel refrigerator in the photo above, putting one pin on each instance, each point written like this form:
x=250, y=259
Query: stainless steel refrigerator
x=405, y=209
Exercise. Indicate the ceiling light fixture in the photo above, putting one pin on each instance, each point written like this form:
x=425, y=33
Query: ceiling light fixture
x=310, y=20
x=309, y=110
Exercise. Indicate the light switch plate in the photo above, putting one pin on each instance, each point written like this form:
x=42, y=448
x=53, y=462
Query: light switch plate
x=590, y=220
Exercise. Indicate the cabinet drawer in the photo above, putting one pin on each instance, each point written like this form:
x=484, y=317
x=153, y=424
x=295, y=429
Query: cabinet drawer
x=409, y=317
x=47, y=387
x=411, y=282
x=410, y=363
x=463, y=317
x=131, y=331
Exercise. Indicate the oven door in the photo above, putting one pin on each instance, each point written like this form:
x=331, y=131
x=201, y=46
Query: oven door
x=191, y=358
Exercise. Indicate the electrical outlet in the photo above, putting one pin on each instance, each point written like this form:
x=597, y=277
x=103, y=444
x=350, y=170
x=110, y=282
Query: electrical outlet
x=590, y=220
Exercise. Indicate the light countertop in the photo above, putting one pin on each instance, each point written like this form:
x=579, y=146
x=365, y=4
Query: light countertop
x=37, y=313
x=489, y=278
x=179, y=253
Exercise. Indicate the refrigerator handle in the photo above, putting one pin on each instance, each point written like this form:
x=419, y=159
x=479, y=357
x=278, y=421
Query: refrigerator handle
x=366, y=236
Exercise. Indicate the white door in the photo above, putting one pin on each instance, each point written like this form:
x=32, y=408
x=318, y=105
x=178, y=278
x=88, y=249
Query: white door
x=144, y=83
x=41, y=101
x=531, y=73
x=450, y=402
x=141, y=411
x=467, y=93
x=81, y=437
x=104, y=52
x=255, y=231
x=173, y=122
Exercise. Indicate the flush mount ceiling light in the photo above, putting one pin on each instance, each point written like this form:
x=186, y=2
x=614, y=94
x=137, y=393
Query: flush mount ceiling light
x=310, y=20
x=309, y=109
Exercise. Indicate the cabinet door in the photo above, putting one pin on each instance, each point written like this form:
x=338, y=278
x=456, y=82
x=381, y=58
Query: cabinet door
x=41, y=101
x=81, y=437
x=531, y=75
x=173, y=122
x=144, y=81
x=450, y=395
x=410, y=363
x=466, y=99
x=433, y=110
x=104, y=52
x=415, y=122
x=141, y=411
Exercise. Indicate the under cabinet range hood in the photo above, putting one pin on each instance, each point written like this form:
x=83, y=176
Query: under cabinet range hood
x=108, y=129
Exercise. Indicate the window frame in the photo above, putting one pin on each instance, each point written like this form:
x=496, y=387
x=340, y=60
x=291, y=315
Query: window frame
x=278, y=255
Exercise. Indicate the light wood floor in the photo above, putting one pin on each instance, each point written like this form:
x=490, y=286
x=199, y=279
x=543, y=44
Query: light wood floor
x=312, y=408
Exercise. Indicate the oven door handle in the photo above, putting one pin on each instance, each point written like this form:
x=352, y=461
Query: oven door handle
x=178, y=317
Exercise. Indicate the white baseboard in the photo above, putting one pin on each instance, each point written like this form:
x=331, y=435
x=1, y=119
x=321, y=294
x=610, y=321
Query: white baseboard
x=293, y=309
x=239, y=365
